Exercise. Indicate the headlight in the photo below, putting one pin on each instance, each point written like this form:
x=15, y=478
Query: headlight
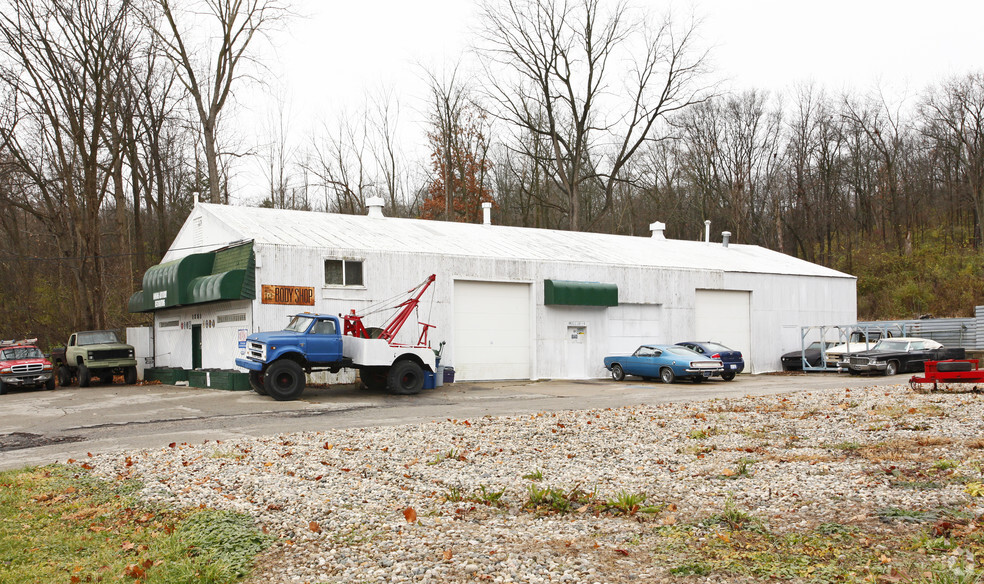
x=46, y=367
x=6, y=370
x=131, y=353
x=90, y=356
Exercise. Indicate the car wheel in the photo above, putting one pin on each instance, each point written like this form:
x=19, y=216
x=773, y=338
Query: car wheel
x=130, y=375
x=892, y=368
x=666, y=375
x=256, y=382
x=284, y=380
x=854, y=372
x=618, y=374
x=3, y=388
x=405, y=378
x=50, y=384
x=85, y=377
x=64, y=376
x=727, y=376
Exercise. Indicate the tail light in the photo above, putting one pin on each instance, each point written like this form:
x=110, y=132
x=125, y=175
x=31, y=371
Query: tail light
x=716, y=356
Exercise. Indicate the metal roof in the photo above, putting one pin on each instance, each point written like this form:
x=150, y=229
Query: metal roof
x=331, y=231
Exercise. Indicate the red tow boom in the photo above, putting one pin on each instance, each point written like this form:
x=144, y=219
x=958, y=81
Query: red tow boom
x=353, y=323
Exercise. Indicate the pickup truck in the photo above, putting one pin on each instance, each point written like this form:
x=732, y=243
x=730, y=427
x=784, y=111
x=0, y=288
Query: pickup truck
x=277, y=361
x=92, y=354
x=22, y=364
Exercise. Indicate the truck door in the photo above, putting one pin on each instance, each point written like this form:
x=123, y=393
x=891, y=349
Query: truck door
x=324, y=344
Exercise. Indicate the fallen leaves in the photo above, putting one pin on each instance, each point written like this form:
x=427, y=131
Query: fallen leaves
x=410, y=514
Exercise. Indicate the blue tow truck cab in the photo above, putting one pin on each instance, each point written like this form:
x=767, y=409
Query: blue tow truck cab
x=278, y=360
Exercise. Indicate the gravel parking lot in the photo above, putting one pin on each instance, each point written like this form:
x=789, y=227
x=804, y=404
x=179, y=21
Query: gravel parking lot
x=613, y=494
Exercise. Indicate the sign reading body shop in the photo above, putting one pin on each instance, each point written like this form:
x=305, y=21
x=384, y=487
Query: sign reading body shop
x=299, y=295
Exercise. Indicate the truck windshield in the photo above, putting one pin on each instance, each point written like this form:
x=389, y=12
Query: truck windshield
x=298, y=324
x=21, y=353
x=97, y=337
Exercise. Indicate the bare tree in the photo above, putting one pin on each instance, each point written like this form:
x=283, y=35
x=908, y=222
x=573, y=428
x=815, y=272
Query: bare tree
x=554, y=67
x=232, y=26
x=63, y=71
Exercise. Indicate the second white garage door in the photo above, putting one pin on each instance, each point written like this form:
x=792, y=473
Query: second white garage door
x=491, y=331
x=724, y=316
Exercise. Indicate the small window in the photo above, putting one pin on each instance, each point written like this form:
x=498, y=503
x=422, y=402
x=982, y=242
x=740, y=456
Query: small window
x=324, y=327
x=343, y=273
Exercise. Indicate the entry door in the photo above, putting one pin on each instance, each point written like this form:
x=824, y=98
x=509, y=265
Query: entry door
x=196, y=346
x=577, y=351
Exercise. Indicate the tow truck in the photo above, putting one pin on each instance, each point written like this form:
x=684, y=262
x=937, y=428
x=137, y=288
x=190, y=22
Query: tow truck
x=277, y=361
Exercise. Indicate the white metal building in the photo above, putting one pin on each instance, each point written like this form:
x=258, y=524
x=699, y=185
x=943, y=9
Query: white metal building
x=510, y=302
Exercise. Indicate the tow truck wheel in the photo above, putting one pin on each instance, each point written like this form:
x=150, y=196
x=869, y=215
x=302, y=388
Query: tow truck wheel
x=284, y=380
x=64, y=376
x=405, y=378
x=84, y=376
x=256, y=382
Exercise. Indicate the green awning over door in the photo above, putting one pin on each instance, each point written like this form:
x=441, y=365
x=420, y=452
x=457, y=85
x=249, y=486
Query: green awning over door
x=570, y=293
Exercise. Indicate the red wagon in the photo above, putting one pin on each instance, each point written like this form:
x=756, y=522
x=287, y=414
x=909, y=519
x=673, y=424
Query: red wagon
x=952, y=374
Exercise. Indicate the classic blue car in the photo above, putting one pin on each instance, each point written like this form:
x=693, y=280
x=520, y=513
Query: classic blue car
x=733, y=363
x=667, y=362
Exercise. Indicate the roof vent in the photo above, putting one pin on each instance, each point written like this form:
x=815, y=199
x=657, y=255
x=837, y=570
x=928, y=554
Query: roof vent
x=375, y=206
x=658, y=228
x=725, y=238
x=707, y=230
x=486, y=213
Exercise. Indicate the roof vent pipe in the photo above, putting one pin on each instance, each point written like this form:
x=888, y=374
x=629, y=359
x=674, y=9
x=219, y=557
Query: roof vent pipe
x=725, y=238
x=658, y=228
x=486, y=213
x=375, y=206
x=707, y=230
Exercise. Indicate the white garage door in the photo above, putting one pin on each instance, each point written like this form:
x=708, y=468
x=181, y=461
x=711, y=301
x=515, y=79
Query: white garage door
x=491, y=330
x=724, y=316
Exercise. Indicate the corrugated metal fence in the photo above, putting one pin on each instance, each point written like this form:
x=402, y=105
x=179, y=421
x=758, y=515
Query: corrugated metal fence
x=952, y=332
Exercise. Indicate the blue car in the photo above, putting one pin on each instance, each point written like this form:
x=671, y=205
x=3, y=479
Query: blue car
x=666, y=362
x=733, y=363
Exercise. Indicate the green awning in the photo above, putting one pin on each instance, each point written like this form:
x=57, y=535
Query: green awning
x=226, y=274
x=569, y=293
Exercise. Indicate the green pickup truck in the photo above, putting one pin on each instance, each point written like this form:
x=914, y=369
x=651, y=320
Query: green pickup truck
x=92, y=354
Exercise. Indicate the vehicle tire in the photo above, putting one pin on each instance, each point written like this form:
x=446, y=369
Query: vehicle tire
x=64, y=376
x=3, y=388
x=405, y=378
x=727, y=376
x=666, y=375
x=284, y=380
x=618, y=374
x=256, y=382
x=373, y=378
x=85, y=377
x=130, y=375
x=49, y=385
x=891, y=368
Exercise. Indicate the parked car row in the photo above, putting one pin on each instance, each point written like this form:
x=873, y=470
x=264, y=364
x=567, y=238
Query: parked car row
x=887, y=356
x=691, y=360
x=89, y=355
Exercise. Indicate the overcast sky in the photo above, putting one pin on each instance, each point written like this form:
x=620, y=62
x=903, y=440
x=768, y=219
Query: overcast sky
x=336, y=51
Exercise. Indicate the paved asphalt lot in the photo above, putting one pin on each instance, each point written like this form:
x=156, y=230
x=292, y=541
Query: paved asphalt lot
x=40, y=427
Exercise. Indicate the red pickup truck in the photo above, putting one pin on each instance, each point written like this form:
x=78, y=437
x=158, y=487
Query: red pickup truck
x=22, y=364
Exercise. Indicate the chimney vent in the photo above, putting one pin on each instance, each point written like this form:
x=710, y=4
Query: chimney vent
x=658, y=228
x=725, y=238
x=486, y=213
x=375, y=206
x=707, y=230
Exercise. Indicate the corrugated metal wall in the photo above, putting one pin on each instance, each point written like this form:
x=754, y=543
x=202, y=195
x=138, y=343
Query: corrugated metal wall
x=967, y=333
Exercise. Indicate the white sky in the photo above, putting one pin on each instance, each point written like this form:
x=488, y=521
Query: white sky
x=335, y=52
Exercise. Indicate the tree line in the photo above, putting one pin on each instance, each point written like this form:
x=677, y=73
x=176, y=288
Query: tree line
x=568, y=114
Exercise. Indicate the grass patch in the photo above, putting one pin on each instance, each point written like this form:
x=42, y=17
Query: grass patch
x=57, y=525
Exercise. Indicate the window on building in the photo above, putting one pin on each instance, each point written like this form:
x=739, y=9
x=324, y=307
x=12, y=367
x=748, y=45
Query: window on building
x=343, y=273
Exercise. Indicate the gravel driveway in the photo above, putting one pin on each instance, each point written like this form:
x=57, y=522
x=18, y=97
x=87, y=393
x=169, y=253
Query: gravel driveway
x=421, y=503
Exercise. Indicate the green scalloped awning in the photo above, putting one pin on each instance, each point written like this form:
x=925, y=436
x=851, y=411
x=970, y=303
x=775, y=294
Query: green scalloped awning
x=226, y=274
x=569, y=293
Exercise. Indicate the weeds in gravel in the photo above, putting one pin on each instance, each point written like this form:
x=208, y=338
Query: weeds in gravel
x=626, y=503
x=732, y=517
x=489, y=496
x=454, y=494
x=945, y=464
x=907, y=515
x=536, y=475
x=558, y=500
x=58, y=524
